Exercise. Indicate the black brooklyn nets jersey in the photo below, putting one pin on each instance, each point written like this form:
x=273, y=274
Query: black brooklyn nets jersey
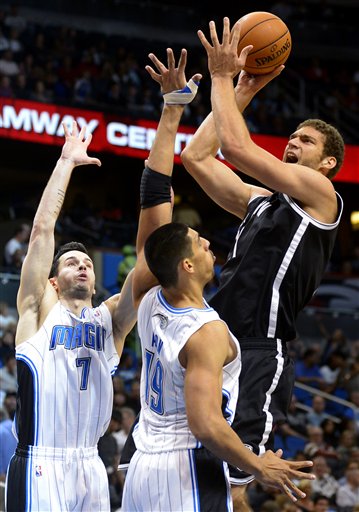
x=277, y=262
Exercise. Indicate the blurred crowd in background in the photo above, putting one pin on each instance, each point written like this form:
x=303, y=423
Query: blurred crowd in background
x=65, y=65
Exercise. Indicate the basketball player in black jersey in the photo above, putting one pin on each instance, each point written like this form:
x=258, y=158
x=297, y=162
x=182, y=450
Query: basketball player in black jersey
x=282, y=246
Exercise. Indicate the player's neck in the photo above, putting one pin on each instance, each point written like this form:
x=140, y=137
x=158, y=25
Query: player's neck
x=75, y=305
x=184, y=298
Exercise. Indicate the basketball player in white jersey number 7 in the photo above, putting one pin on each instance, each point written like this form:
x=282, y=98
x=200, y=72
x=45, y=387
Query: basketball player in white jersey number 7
x=190, y=360
x=66, y=352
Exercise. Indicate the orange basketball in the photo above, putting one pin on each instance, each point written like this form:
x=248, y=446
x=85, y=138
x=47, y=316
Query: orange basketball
x=270, y=38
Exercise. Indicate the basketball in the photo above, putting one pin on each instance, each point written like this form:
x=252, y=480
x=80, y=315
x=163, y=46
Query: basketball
x=271, y=40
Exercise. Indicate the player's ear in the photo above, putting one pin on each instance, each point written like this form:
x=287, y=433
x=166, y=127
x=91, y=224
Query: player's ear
x=53, y=282
x=328, y=163
x=187, y=265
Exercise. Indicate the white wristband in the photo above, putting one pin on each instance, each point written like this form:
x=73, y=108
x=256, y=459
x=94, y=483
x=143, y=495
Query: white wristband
x=182, y=96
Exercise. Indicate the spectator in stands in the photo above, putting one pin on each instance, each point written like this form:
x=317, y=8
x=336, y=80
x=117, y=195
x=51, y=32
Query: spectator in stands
x=185, y=212
x=16, y=248
x=15, y=44
x=133, y=395
x=295, y=426
x=110, y=455
x=307, y=503
x=128, y=417
x=316, y=445
x=307, y=371
x=8, y=441
x=347, y=497
x=335, y=341
x=6, y=89
x=353, y=413
x=347, y=442
x=351, y=377
x=126, y=264
x=324, y=484
x=7, y=344
x=15, y=20
x=7, y=319
x=330, y=432
x=321, y=504
x=8, y=373
x=333, y=369
x=83, y=89
x=318, y=414
x=8, y=66
x=40, y=93
x=128, y=367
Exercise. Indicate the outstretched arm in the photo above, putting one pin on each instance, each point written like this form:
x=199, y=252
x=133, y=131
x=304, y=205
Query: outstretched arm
x=311, y=188
x=203, y=395
x=156, y=212
x=37, y=264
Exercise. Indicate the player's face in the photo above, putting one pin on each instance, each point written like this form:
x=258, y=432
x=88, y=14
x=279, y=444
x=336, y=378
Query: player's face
x=305, y=147
x=76, y=277
x=202, y=255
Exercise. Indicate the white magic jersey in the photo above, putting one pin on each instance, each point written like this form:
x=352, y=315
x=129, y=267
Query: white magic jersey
x=65, y=385
x=164, y=330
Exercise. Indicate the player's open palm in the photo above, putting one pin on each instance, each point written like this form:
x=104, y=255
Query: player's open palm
x=172, y=77
x=75, y=147
x=280, y=473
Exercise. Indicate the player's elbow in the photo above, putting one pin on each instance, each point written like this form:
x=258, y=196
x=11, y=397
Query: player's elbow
x=232, y=152
x=190, y=159
x=203, y=431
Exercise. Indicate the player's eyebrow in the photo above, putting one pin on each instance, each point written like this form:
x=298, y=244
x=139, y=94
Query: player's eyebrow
x=77, y=259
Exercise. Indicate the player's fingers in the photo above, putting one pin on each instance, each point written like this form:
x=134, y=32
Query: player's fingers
x=153, y=74
x=213, y=33
x=292, y=490
x=75, y=130
x=203, y=40
x=159, y=65
x=88, y=138
x=66, y=129
x=226, y=31
x=182, y=60
x=81, y=135
x=170, y=58
x=197, y=77
x=95, y=161
x=235, y=33
x=244, y=53
x=301, y=464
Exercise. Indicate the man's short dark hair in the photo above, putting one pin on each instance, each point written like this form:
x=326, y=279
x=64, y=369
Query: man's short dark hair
x=70, y=246
x=333, y=143
x=164, y=249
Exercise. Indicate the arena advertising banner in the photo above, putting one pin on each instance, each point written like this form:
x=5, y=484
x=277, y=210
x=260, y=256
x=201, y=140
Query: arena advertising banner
x=42, y=123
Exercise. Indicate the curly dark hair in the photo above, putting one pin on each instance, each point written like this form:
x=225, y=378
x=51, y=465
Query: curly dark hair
x=333, y=143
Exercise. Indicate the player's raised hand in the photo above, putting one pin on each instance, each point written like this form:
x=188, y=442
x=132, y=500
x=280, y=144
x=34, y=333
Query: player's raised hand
x=172, y=77
x=75, y=147
x=279, y=473
x=223, y=58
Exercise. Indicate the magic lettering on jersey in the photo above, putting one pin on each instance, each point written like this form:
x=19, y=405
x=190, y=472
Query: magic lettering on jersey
x=87, y=334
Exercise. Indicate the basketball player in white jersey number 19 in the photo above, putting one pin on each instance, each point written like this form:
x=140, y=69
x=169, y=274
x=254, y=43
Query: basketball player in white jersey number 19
x=66, y=352
x=190, y=360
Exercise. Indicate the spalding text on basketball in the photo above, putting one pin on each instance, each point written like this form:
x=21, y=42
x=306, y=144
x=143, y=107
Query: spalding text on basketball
x=275, y=53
